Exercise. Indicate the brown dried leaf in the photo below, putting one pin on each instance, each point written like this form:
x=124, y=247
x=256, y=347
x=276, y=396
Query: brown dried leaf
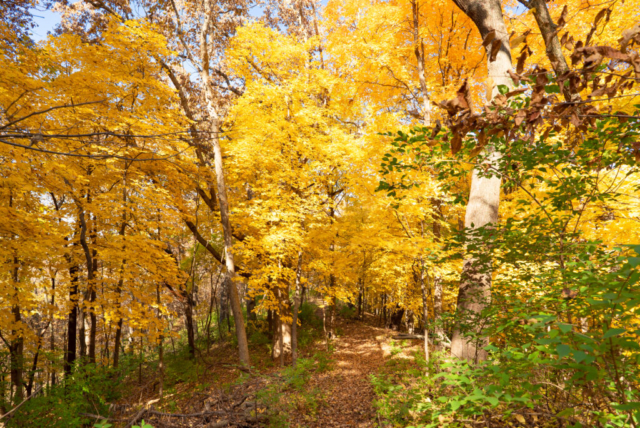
x=590, y=35
x=463, y=95
x=569, y=294
x=482, y=140
x=575, y=120
x=541, y=78
x=599, y=16
x=495, y=48
x=515, y=77
x=515, y=42
x=562, y=21
x=500, y=100
x=577, y=54
x=563, y=39
x=460, y=102
x=515, y=92
x=522, y=114
x=538, y=96
x=489, y=38
x=456, y=143
x=569, y=45
x=521, y=60
x=436, y=129
x=612, y=53
x=598, y=92
x=635, y=62
x=533, y=116
x=632, y=34
x=592, y=61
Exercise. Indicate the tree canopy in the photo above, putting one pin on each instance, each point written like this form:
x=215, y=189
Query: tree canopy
x=463, y=169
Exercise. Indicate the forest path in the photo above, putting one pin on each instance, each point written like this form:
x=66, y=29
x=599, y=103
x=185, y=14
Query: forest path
x=341, y=394
x=359, y=350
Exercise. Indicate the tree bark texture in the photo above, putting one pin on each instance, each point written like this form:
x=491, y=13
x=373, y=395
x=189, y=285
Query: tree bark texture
x=484, y=195
x=549, y=31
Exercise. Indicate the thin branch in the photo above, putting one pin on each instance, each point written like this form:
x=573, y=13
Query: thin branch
x=36, y=113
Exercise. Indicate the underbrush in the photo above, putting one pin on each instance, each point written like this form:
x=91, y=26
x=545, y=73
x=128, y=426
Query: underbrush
x=307, y=316
x=92, y=388
x=541, y=371
x=290, y=392
x=347, y=312
x=89, y=391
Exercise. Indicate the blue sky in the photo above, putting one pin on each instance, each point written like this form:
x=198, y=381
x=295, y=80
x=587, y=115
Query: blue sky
x=45, y=21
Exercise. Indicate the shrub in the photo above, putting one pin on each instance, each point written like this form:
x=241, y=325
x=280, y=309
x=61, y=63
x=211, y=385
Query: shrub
x=90, y=389
x=550, y=370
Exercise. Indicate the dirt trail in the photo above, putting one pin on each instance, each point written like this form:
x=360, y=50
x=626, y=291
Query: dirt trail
x=359, y=351
x=345, y=397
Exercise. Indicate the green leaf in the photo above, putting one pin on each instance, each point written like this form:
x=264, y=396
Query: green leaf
x=629, y=406
x=504, y=89
x=613, y=332
x=552, y=89
x=579, y=356
x=565, y=328
x=493, y=401
x=455, y=405
x=563, y=350
x=566, y=412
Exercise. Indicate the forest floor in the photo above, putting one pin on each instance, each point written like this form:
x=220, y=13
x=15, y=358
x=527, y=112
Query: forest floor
x=359, y=350
x=328, y=388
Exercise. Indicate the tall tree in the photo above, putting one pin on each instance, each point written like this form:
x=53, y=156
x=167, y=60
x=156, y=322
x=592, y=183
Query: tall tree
x=484, y=194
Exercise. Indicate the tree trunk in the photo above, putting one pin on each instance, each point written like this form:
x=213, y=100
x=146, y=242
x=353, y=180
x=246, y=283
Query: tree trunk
x=188, y=312
x=484, y=196
x=117, y=344
x=34, y=368
x=425, y=310
x=384, y=311
x=303, y=293
x=92, y=297
x=419, y=53
x=72, y=323
x=212, y=305
x=294, y=315
x=241, y=334
x=250, y=301
x=160, y=347
x=359, y=304
x=17, y=342
x=52, y=343
x=437, y=278
x=548, y=29
x=224, y=299
x=118, y=336
x=82, y=332
x=332, y=306
x=282, y=339
x=90, y=291
x=52, y=348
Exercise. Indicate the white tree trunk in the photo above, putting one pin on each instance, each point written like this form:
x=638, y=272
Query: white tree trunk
x=484, y=195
